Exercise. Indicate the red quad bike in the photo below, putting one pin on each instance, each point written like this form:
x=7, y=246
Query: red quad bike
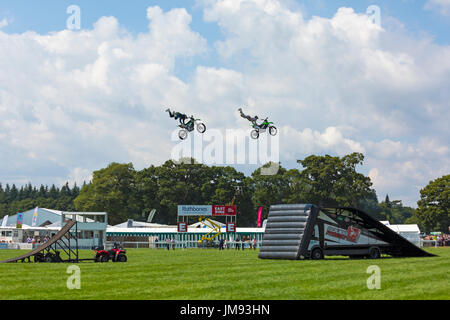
x=116, y=254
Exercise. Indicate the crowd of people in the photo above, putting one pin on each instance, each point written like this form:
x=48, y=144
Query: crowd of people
x=440, y=240
x=37, y=240
x=31, y=240
x=238, y=243
x=222, y=244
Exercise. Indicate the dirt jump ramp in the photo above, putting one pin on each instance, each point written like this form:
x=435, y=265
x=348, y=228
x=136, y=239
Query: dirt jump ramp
x=44, y=246
x=298, y=231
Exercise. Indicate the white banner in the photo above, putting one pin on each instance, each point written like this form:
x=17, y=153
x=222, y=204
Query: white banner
x=195, y=210
x=5, y=221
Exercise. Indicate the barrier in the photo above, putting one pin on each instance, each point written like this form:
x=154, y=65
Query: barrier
x=178, y=245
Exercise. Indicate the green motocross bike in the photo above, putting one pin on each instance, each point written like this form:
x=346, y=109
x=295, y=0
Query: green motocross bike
x=189, y=127
x=262, y=128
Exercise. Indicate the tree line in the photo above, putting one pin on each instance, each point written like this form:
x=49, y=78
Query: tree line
x=14, y=200
x=127, y=193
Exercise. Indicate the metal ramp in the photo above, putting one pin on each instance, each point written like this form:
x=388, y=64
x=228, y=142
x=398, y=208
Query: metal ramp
x=61, y=239
x=397, y=245
x=288, y=231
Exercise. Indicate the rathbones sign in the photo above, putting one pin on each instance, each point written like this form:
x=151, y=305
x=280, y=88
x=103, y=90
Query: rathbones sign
x=206, y=210
x=194, y=210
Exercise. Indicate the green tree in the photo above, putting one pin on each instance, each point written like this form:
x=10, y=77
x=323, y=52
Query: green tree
x=188, y=182
x=395, y=212
x=433, y=207
x=147, y=190
x=334, y=181
x=269, y=189
x=112, y=190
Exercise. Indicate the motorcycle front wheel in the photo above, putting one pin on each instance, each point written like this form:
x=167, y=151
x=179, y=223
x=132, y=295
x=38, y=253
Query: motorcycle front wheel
x=201, y=128
x=273, y=131
x=182, y=134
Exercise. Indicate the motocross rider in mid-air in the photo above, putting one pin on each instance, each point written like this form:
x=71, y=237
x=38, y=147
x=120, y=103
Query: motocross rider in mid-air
x=257, y=128
x=252, y=120
x=177, y=116
x=187, y=124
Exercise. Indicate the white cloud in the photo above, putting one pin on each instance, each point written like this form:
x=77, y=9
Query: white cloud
x=5, y=22
x=317, y=76
x=308, y=141
x=83, y=99
x=78, y=176
x=71, y=102
x=440, y=6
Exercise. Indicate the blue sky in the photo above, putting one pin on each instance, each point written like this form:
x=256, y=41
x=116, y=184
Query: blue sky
x=50, y=15
x=332, y=82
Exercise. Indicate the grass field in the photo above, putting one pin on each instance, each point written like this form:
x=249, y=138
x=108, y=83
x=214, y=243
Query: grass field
x=197, y=274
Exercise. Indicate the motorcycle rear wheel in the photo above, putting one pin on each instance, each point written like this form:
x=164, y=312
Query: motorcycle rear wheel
x=254, y=134
x=183, y=134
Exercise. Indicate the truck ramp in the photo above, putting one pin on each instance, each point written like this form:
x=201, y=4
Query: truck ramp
x=297, y=231
x=46, y=245
x=396, y=245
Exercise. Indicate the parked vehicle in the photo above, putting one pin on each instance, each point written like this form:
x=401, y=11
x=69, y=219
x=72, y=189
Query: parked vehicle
x=116, y=254
x=305, y=231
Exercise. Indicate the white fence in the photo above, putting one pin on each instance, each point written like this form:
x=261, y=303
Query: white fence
x=17, y=246
x=181, y=245
x=428, y=243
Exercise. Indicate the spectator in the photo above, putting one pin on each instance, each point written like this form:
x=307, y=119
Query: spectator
x=173, y=243
x=221, y=244
x=168, y=243
x=254, y=243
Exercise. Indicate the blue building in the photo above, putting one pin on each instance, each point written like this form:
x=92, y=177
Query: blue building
x=44, y=217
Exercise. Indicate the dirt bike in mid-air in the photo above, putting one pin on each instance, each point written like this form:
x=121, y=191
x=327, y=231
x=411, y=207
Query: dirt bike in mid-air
x=190, y=126
x=257, y=128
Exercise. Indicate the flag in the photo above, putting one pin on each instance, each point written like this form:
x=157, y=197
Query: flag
x=19, y=220
x=150, y=216
x=5, y=221
x=259, y=216
x=35, y=214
